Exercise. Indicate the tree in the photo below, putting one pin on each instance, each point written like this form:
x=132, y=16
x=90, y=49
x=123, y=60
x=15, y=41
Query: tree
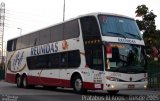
x=157, y=36
x=141, y=10
x=147, y=24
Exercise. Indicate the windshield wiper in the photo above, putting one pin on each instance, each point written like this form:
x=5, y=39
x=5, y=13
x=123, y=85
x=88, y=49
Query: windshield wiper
x=134, y=35
x=118, y=34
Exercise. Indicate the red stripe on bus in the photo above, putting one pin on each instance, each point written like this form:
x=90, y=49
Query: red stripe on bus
x=11, y=78
x=35, y=80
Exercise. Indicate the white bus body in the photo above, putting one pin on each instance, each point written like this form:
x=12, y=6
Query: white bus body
x=91, y=52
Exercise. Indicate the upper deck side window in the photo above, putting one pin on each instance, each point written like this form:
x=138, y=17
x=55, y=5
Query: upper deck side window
x=89, y=26
x=11, y=45
x=66, y=30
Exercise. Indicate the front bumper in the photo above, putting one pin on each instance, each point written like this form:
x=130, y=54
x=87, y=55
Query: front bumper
x=125, y=85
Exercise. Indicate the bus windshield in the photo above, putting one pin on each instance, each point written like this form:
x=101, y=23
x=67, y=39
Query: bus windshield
x=125, y=57
x=119, y=27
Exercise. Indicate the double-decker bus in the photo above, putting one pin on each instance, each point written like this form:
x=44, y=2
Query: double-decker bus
x=97, y=51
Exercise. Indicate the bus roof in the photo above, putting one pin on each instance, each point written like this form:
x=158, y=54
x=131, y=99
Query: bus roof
x=112, y=14
x=80, y=16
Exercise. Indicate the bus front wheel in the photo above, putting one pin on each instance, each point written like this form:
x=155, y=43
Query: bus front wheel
x=78, y=84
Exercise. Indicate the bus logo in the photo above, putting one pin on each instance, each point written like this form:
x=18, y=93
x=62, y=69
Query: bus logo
x=18, y=59
x=65, y=45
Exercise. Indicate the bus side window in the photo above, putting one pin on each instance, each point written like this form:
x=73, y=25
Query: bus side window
x=97, y=59
x=44, y=36
x=94, y=58
x=34, y=39
x=71, y=29
x=31, y=62
x=64, y=59
x=74, y=59
x=19, y=43
x=11, y=45
x=89, y=26
x=42, y=61
x=88, y=54
x=25, y=41
x=37, y=62
x=56, y=33
x=53, y=60
x=35, y=42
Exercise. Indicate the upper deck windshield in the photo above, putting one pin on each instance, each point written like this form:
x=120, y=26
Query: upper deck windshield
x=119, y=27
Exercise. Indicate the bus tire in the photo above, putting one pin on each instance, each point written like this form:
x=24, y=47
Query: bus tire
x=112, y=92
x=78, y=84
x=24, y=82
x=19, y=81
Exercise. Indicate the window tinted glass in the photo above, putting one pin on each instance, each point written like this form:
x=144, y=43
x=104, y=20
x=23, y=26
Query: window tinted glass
x=66, y=30
x=90, y=26
x=68, y=59
x=42, y=61
x=34, y=39
x=53, y=61
x=44, y=36
x=74, y=58
x=11, y=45
x=71, y=29
x=88, y=55
x=19, y=43
x=25, y=41
x=56, y=33
x=97, y=59
x=119, y=26
x=63, y=59
x=94, y=58
x=32, y=62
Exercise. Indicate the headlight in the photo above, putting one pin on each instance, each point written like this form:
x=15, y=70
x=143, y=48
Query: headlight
x=145, y=86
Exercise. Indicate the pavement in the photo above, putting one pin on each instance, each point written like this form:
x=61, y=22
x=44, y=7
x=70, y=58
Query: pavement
x=149, y=91
x=9, y=92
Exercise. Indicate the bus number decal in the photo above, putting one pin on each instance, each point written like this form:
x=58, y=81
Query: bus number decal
x=97, y=78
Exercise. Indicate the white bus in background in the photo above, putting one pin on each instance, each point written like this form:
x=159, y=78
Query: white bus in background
x=96, y=51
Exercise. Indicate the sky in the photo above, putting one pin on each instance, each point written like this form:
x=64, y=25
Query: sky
x=31, y=15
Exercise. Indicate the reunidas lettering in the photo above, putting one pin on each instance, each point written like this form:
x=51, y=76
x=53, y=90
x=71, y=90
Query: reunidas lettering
x=44, y=49
x=126, y=40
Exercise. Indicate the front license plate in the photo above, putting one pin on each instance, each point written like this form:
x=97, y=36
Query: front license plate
x=131, y=86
